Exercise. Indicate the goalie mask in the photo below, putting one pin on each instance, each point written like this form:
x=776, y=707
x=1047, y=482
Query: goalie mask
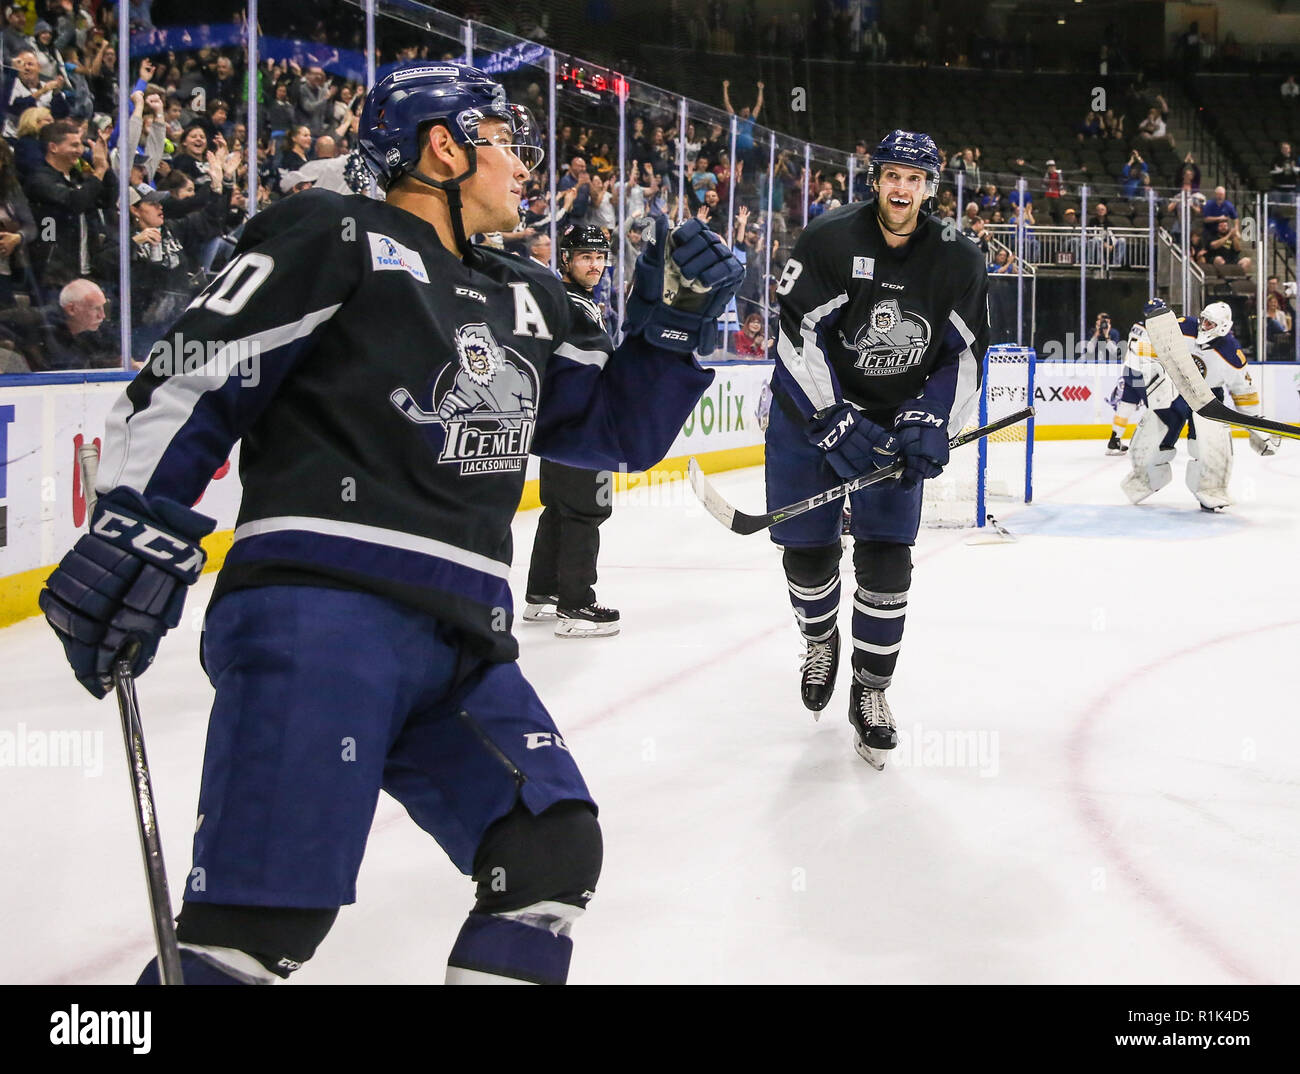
x=1215, y=321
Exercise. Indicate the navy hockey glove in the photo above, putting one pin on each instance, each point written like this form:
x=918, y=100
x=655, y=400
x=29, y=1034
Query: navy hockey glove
x=921, y=429
x=123, y=582
x=854, y=445
x=676, y=304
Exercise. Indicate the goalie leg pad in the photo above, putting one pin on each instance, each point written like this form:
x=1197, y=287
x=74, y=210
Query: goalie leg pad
x=1149, y=457
x=883, y=571
x=1210, y=464
x=812, y=576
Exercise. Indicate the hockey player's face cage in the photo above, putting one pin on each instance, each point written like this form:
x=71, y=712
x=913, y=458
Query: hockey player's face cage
x=517, y=131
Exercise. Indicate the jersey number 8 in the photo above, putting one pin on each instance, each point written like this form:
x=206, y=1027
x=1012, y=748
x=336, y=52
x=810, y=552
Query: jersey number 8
x=792, y=270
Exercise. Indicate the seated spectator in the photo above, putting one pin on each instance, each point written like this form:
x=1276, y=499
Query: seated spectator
x=1225, y=248
x=1153, y=129
x=1004, y=262
x=1133, y=174
x=539, y=250
x=1112, y=125
x=990, y=199
x=976, y=233
x=295, y=183
x=1285, y=169
x=1279, y=321
x=1070, y=218
x=824, y=200
x=1290, y=90
x=72, y=337
x=971, y=214
x=17, y=230
x=28, y=152
x=1029, y=245
x=1274, y=289
x=1216, y=211
x=68, y=202
x=1090, y=127
x=575, y=176
x=1196, y=247
x=1103, y=344
x=751, y=341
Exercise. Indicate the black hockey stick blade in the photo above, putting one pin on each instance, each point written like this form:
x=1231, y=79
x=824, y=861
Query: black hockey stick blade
x=739, y=522
x=1175, y=357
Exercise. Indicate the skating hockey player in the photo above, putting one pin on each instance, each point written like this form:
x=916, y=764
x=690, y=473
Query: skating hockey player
x=562, y=573
x=1219, y=359
x=359, y=636
x=883, y=325
x=1138, y=354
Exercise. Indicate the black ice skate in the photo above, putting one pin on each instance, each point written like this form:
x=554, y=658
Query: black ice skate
x=539, y=608
x=820, y=662
x=593, y=621
x=1115, y=446
x=873, y=725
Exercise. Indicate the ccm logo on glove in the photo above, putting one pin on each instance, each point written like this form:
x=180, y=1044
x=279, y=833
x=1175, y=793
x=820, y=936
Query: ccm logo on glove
x=919, y=417
x=118, y=529
x=833, y=437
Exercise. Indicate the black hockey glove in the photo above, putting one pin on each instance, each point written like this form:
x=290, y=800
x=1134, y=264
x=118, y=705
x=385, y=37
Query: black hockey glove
x=922, y=432
x=854, y=445
x=675, y=303
x=123, y=582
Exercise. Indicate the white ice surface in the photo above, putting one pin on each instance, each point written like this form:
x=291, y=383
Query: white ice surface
x=1131, y=811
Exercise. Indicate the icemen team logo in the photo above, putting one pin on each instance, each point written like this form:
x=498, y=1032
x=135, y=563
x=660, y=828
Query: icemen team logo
x=892, y=341
x=485, y=406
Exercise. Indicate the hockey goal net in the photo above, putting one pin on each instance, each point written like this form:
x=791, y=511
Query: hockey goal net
x=998, y=468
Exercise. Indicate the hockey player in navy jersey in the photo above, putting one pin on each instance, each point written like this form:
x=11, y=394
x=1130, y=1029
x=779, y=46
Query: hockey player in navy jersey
x=1219, y=358
x=359, y=635
x=562, y=571
x=884, y=322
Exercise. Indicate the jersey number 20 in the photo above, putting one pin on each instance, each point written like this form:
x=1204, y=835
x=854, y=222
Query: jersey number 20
x=236, y=284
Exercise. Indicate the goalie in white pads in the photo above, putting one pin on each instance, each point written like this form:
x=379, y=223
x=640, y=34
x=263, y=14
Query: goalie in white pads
x=1219, y=359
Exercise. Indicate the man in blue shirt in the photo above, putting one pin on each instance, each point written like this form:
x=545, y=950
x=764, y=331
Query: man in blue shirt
x=1214, y=211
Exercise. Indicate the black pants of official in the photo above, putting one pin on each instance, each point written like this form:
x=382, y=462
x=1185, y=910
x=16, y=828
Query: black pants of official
x=574, y=504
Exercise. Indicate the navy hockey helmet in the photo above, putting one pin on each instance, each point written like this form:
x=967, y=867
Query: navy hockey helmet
x=580, y=237
x=910, y=148
x=459, y=97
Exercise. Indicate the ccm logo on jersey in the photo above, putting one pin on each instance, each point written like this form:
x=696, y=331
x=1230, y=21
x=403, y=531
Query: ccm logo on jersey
x=386, y=253
x=537, y=739
x=469, y=292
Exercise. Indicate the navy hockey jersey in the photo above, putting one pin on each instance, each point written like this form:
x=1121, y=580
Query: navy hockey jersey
x=386, y=396
x=878, y=326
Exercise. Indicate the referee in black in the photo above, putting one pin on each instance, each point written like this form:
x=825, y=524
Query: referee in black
x=575, y=502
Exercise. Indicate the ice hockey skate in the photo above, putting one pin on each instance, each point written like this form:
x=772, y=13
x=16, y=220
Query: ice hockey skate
x=593, y=621
x=539, y=608
x=1115, y=446
x=873, y=725
x=817, y=682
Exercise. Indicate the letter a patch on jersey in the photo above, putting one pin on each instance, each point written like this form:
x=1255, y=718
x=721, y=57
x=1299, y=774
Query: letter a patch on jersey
x=386, y=253
x=528, y=314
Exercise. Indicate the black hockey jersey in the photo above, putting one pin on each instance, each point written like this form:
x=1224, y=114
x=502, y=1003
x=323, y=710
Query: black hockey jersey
x=877, y=326
x=387, y=397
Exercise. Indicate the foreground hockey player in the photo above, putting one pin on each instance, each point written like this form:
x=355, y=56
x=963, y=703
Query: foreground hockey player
x=359, y=636
x=1220, y=360
x=562, y=572
x=883, y=325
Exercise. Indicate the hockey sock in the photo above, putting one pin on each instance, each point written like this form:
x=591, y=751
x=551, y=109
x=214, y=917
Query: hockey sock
x=501, y=949
x=813, y=577
x=212, y=966
x=884, y=575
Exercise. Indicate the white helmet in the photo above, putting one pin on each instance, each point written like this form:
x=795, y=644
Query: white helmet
x=1216, y=321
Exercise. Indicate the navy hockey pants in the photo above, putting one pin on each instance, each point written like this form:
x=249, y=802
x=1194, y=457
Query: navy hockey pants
x=324, y=697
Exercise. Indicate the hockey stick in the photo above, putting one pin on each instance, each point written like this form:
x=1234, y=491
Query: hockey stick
x=739, y=522
x=146, y=816
x=1176, y=359
x=405, y=402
